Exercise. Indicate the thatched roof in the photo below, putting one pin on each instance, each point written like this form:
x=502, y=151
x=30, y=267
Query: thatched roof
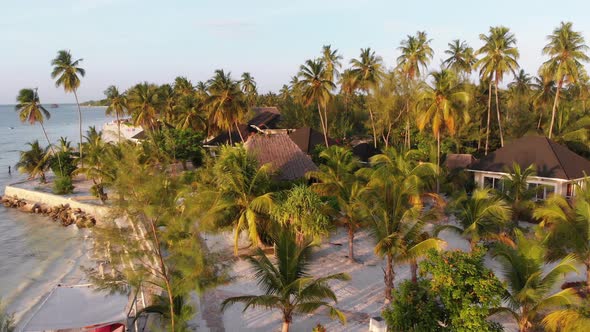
x=286, y=157
x=307, y=139
x=458, y=160
x=551, y=160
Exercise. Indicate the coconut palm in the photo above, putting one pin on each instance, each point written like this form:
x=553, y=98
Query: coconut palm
x=336, y=178
x=397, y=215
x=517, y=191
x=190, y=113
x=167, y=98
x=368, y=72
x=248, y=86
x=226, y=102
x=461, y=58
x=34, y=162
x=287, y=285
x=566, y=50
x=117, y=105
x=480, y=217
x=573, y=319
x=67, y=73
x=30, y=110
x=183, y=86
x=316, y=89
x=499, y=56
x=240, y=196
x=94, y=161
x=332, y=60
x=443, y=105
x=143, y=103
x=544, y=92
x=569, y=221
x=529, y=285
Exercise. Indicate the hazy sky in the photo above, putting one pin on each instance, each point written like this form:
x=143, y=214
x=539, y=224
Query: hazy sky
x=123, y=42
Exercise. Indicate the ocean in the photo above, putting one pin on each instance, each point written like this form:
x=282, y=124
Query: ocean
x=35, y=252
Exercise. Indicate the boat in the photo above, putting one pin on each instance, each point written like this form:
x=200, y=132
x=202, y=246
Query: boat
x=54, y=106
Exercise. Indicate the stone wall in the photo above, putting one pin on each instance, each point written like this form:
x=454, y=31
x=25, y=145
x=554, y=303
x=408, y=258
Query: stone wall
x=99, y=212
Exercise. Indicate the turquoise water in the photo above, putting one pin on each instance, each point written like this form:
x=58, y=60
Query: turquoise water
x=36, y=253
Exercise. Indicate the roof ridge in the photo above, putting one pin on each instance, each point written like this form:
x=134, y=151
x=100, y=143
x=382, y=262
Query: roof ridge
x=549, y=141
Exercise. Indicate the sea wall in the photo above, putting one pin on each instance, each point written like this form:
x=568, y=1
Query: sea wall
x=51, y=200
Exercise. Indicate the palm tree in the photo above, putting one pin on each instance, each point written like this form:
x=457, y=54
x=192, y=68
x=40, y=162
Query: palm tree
x=544, y=93
x=332, y=60
x=30, y=110
x=94, y=162
x=481, y=217
x=336, y=178
x=397, y=215
x=34, y=162
x=183, y=86
x=368, y=72
x=500, y=56
x=190, y=113
x=517, y=191
x=67, y=72
x=443, y=104
x=461, y=58
x=519, y=92
x=287, y=284
x=226, y=102
x=571, y=222
x=117, y=105
x=416, y=54
x=143, y=103
x=316, y=88
x=248, y=86
x=529, y=284
x=240, y=195
x=167, y=98
x=566, y=50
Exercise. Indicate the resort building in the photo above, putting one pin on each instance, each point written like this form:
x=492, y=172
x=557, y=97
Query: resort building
x=307, y=139
x=262, y=118
x=558, y=169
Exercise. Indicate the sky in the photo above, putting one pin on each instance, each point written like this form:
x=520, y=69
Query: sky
x=123, y=42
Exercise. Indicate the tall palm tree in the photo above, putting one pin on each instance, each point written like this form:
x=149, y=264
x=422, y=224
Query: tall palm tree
x=544, y=92
x=316, y=88
x=240, y=196
x=481, y=217
x=519, y=93
x=287, y=284
x=94, y=163
x=569, y=221
x=144, y=103
x=416, y=53
x=461, y=58
x=499, y=56
x=190, y=113
x=34, y=162
x=248, y=86
x=337, y=178
x=30, y=110
x=529, y=283
x=443, y=104
x=566, y=50
x=332, y=60
x=226, y=102
x=397, y=215
x=67, y=73
x=183, y=86
x=117, y=105
x=368, y=70
x=167, y=98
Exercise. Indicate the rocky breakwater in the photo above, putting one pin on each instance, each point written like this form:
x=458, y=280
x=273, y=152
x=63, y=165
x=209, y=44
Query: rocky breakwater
x=62, y=213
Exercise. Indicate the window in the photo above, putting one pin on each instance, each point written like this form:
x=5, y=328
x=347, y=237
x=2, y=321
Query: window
x=543, y=190
x=569, y=193
x=488, y=182
x=493, y=183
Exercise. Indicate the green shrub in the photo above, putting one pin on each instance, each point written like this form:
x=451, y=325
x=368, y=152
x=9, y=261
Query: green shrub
x=63, y=164
x=415, y=308
x=63, y=185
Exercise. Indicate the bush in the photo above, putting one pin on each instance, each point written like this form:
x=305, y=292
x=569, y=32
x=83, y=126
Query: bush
x=182, y=145
x=415, y=308
x=68, y=164
x=63, y=185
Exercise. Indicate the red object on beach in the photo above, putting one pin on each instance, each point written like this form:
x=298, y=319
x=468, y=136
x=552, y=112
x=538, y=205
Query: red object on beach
x=111, y=328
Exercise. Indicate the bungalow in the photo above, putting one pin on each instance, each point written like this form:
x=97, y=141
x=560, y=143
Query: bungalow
x=307, y=139
x=284, y=156
x=261, y=118
x=557, y=167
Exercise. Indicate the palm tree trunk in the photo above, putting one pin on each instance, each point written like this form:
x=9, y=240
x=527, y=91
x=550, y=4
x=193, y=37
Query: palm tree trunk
x=414, y=271
x=285, y=327
x=587, y=276
x=438, y=162
x=540, y=119
x=373, y=127
x=389, y=278
x=498, y=114
x=555, y=103
x=79, y=126
x=118, y=126
x=163, y=271
x=489, y=116
x=51, y=147
x=229, y=136
x=322, y=123
x=326, y=121
x=351, y=243
x=239, y=131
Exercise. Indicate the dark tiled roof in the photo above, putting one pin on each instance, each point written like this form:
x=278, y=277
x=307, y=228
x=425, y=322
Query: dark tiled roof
x=551, y=160
x=286, y=158
x=262, y=117
x=307, y=139
x=266, y=109
x=458, y=160
x=223, y=138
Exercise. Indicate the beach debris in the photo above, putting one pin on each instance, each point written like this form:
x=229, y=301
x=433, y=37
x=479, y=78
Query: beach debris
x=62, y=213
